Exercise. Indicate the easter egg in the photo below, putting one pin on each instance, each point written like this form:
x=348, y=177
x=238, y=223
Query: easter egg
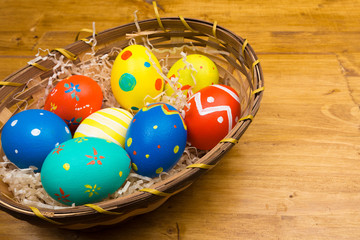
x=108, y=123
x=213, y=112
x=29, y=136
x=84, y=170
x=73, y=99
x=134, y=77
x=196, y=67
x=156, y=139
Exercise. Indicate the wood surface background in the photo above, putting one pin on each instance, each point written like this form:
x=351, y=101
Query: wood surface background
x=295, y=174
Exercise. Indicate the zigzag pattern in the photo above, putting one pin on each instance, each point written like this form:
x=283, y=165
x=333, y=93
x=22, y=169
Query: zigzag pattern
x=205, y=111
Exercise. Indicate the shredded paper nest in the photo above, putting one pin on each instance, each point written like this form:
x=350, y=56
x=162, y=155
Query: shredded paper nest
x=25, y=184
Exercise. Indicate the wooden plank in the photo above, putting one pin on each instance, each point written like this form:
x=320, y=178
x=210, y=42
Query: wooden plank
x=295, y=173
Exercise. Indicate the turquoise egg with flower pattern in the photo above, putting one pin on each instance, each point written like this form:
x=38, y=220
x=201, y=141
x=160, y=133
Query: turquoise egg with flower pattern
x=84, y=170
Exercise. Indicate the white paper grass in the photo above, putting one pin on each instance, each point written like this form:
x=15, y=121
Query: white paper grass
x=26, y=185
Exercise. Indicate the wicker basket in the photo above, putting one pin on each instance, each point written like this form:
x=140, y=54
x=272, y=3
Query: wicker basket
x=238, y=67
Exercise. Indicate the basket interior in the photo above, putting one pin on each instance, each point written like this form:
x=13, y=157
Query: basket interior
x=238, y=67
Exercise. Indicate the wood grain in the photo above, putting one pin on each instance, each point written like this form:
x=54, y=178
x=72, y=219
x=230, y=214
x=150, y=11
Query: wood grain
x=295, y=174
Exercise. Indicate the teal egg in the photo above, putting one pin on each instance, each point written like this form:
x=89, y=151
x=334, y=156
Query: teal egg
x=84, y=170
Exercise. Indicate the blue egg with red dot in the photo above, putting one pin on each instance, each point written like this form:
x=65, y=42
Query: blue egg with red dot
x=29, y=136
x=155, y=139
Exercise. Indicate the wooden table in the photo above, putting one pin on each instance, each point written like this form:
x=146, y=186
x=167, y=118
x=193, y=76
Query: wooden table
x=295, y=174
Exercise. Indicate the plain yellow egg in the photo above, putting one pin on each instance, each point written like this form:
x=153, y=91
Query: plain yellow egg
x=201, y=69
x=135, y=77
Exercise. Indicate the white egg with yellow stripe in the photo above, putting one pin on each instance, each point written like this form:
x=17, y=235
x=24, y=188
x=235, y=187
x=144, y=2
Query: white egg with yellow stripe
x=108, y=123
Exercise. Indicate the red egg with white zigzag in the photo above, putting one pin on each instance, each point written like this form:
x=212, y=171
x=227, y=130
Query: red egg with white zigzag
x=213, y=112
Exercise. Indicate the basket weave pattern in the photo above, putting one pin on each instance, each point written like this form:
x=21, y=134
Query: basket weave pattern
x=238, y=67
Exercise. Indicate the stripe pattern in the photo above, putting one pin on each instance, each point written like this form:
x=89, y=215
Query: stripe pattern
x=108, y=123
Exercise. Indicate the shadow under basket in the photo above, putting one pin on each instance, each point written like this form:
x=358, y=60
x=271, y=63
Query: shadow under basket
x=238, y=67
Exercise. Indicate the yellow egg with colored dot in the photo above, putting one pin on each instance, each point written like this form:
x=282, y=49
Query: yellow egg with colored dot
x=135, y=77
x=194, y=73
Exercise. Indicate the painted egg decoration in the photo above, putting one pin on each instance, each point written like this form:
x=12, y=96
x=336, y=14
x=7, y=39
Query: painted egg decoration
x=201, y=68
x=156, y=139
x=29, y=136
x=213, y=112
x=108, y=123
x=73, y=99
x=134, y=79
x=84, y=170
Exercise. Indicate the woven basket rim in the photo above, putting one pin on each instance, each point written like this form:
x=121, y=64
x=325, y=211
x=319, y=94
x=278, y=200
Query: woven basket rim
x=170, y=185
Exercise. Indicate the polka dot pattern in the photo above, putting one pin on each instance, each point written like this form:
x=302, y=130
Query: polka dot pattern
x=127, y=82
x=35, y=132
x=176, y=149
x=66, y=166
x=126, y=55
x=128, y=142
x=159, y=170
x=220, y=119
x=158, y=84
x=13, y=123
x=210, y=99
x=134, y=76
x=29, y=136
x=162, y=145
x=134, y=166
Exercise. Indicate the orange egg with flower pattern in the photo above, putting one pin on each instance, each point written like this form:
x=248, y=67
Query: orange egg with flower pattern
x=73, y=99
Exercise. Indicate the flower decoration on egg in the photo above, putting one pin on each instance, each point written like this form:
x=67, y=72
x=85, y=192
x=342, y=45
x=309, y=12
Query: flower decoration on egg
x=62, y=197
x=96, y=158
x=58, y=149
x=73, y=89
x=92, y=190
x=73, y=99
x=85, y=170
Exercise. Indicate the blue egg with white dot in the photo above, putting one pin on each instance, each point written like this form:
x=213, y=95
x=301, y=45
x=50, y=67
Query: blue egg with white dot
x=29, y=136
